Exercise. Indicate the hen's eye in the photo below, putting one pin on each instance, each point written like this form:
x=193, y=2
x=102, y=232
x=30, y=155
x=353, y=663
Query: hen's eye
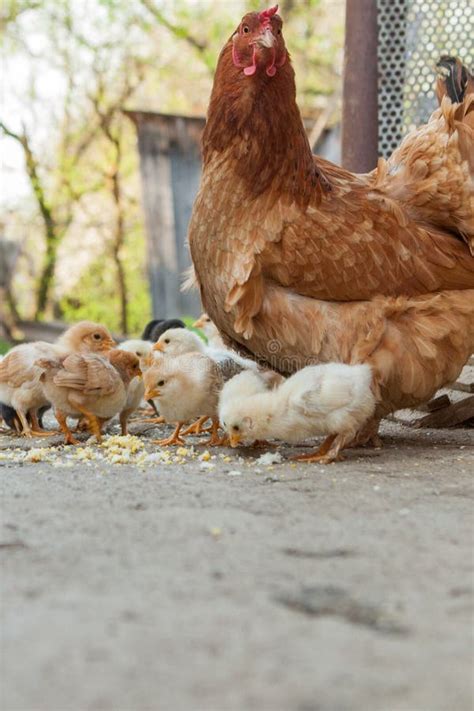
x=97, y=337
x=162, y=382
x=236, y=428
x=279, y=31
x=245, y=29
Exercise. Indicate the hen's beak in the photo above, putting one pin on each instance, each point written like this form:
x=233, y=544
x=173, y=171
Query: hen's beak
x=139, y=374
x=151, y=393
x=234, y=440
x=266, y=39
x=199, y=323
x=158, y=347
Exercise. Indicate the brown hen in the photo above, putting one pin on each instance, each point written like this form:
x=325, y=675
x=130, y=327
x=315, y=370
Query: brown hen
x=298, y=259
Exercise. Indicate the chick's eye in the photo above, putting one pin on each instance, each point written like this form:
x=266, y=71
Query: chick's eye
x=279, y=31
x=162, y=382
x=245, y=29
x=97, y=337
x=236, y=428
x=167, y=340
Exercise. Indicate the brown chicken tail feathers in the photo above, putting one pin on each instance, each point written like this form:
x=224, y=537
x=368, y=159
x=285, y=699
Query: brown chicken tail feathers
x=454, y=79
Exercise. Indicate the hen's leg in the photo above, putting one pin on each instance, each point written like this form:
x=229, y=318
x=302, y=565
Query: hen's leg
x=174, y=439
x=62, y=420
x=368, y=435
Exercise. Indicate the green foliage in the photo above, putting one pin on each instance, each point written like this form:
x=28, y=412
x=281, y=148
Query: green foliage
x=101, y=57
x=4, y=347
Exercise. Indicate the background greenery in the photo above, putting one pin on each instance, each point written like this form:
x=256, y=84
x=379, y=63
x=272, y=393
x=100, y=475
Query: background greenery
x=70, y=69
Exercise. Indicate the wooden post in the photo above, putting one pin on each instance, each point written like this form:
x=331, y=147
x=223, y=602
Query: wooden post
x=360, y=115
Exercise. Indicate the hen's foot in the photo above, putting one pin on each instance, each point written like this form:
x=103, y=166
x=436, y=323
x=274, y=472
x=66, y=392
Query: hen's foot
x=368, y=436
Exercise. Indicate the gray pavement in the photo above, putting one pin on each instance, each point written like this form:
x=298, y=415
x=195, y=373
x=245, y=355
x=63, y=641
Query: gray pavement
x=231, y=584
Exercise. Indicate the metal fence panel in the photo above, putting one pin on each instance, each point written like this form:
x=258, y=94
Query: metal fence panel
x=412, y=35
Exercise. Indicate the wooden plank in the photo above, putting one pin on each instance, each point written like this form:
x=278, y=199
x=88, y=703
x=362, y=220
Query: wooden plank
x=449, y=416
x=462, y=387
x=436, y=404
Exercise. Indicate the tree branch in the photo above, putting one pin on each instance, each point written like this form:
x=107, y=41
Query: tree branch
x=180, y=32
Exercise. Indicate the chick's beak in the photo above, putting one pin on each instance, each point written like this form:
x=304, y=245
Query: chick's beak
x=108, y=344
x=234, y=440
x=151, y=393
x=158, y=347
x=198, y=324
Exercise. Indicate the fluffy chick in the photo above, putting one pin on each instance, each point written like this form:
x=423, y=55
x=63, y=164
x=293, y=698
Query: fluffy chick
x=88, y=385
x=136, y=388
x=209, y=329
x=155, y=328
x=186, y=387
x=178, y=341
x=20, y=386
x=333, y=399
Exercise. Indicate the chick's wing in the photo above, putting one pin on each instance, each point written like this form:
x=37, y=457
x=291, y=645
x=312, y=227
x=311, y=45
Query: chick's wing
x=89, y=374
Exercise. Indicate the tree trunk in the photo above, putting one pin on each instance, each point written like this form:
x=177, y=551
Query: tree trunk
x=47, y=273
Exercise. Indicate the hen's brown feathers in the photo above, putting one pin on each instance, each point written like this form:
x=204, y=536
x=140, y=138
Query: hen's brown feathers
x=299, y=259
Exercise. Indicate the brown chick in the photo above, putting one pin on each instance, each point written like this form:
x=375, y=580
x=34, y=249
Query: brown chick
x=88, y=385
x=20, y=385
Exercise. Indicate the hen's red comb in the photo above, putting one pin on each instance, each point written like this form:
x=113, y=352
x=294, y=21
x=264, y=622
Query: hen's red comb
x=265, y=15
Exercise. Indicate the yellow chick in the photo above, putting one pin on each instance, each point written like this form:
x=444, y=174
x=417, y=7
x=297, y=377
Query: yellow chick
x=209, y=329
x=333, y=399
x=20, y=385
x=88, y=385
x=186, y=387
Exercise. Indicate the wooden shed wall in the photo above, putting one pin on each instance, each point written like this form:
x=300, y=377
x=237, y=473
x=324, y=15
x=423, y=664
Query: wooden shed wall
x=170, y=167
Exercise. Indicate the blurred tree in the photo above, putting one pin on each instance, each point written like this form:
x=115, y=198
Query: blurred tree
x=70, y=70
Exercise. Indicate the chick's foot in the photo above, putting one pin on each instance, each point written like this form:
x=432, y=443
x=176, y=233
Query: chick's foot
x=215, y=440
x=197, y=427
x=175, y=439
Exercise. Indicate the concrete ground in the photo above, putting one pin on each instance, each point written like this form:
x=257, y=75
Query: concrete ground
x=231, y=584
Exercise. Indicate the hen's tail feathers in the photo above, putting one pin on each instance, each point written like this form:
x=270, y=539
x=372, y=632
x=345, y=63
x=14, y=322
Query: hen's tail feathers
x=190, y=281
x=432, y=172
x=454, y=79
